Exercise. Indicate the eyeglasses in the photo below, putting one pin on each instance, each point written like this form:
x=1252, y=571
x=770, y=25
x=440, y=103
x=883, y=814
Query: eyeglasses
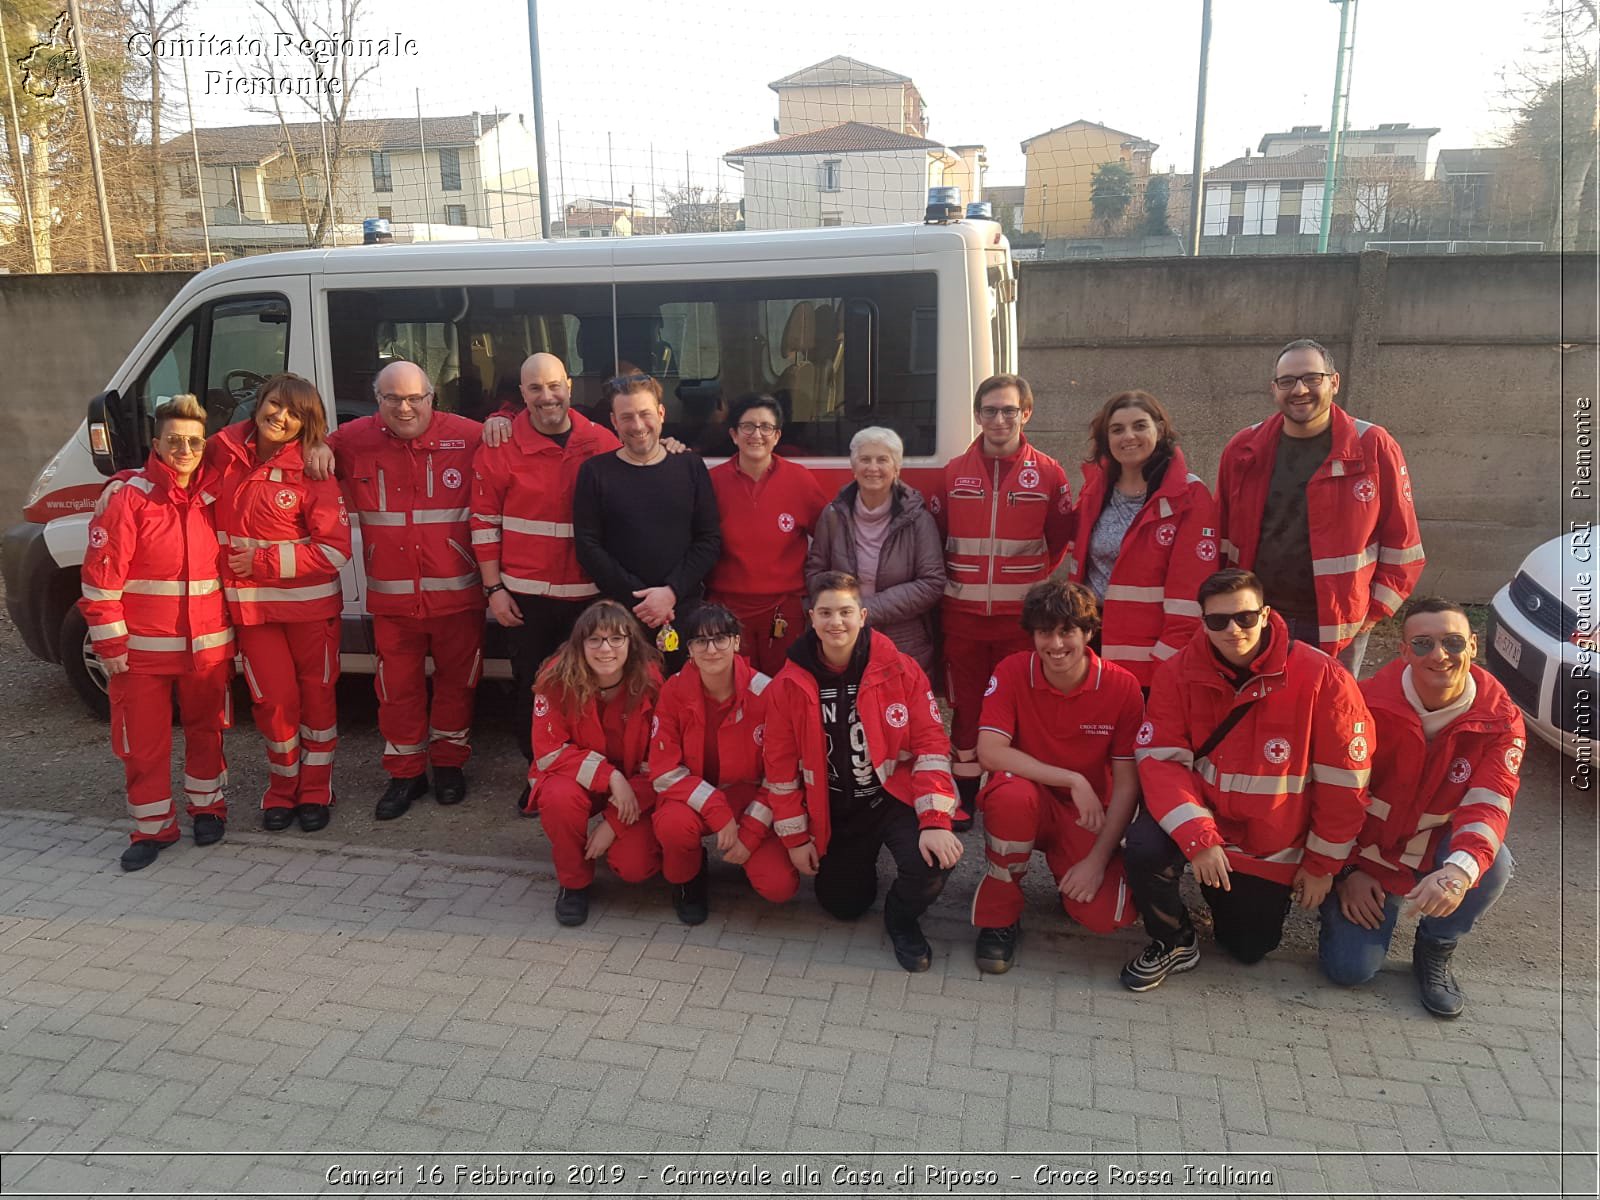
x=750, y=429
x=394, y=401
x=176, y=443
x=717, y=641
x=1245, y=619
x=1312, y=380
x=606, y=641
x=1422, y=645
x=1008, y=414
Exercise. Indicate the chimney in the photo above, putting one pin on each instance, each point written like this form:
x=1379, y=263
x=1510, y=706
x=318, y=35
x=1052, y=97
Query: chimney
x=1247, y=151
x=477, y=125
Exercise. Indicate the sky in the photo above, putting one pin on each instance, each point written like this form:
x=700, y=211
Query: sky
x=675, y=85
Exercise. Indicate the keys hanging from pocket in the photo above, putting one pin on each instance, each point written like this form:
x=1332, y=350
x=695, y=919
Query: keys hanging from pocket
x=667, y=638
x=779, y=625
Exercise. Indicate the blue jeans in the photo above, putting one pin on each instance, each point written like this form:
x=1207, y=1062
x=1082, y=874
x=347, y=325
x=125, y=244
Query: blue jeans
x=1352, y=955
x=1350, y=658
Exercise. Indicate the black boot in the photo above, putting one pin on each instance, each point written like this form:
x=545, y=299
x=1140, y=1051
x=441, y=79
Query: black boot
x=1430, y=962
x=997, y=948
x=449, y=785
x=911, y=949
x=208, y=829
x=690, y=899
x=140, y=855
x=572, y=905
x=397, y=797
x=967, y=795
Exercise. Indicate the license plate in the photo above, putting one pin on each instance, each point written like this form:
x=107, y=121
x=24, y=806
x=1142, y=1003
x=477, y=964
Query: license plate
x=1509, y=648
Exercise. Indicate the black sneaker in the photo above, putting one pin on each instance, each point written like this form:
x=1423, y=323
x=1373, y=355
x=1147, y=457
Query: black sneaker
x=1430, y=963
x=449, y=785
x=397, y=797
x=572, y=905
x=911, y=949
x=1157, y=961
x=690, y=899
x=140, y=855
x=996, y=948
x=208, y=829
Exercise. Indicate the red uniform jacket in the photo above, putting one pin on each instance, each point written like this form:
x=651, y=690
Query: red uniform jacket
x=1366, y=551
x=1150, y=611
x=765, y=527
x=151, y=583
x=1460, y=785
x=1006, y=522
x=298, y=528
x=577, y=749
x=1287, y=786
x=677, y=749
x=412, y=498
x=522, y=507
x=905, y=736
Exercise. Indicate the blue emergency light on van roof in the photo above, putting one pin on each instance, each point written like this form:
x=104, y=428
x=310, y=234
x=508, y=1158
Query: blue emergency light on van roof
x=944, y=204
x=980, y=210
x=375, y=230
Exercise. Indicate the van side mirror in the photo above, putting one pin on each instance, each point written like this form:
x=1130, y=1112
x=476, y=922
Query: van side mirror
x=860, y=323
x=111, y=433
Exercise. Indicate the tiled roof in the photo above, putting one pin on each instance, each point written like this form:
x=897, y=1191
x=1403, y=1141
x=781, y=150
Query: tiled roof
x=255, y=144
x=1305, y=163
x=838, y=70
x=845, y=138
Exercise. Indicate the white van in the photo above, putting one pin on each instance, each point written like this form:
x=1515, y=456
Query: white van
x=848, y=327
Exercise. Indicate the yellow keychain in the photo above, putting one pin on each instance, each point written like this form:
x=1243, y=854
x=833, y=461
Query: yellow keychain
x=667, y=638
x=779, y=625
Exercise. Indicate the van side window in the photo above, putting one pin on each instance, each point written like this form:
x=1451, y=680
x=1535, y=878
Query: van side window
x=221, y=354
x=839, y=353
x=470, y=340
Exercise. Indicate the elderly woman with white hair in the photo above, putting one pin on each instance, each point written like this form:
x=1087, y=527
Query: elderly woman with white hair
x=878, y=530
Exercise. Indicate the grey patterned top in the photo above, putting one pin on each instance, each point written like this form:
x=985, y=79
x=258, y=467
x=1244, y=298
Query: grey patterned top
x=1105, y=543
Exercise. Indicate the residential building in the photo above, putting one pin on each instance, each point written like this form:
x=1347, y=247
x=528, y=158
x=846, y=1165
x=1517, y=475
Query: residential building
x=967, y=172
x=1393, y=139
x=840, y=90
x=590, y=216
x=437, y=178
x=1060, y=172
x=846, y=174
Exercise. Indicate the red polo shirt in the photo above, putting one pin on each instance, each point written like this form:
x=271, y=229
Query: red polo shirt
x=765, y=526
x=1082, y=730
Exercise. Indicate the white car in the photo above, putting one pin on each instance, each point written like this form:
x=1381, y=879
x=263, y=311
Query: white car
x=1542, y=639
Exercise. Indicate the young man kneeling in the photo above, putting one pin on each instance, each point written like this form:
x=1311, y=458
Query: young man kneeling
x=856, y=759
x=1057, y=739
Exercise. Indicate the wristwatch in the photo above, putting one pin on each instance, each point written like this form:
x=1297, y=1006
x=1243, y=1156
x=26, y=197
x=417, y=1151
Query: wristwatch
x=490, y=589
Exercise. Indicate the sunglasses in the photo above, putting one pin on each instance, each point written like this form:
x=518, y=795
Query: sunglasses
x=1422, y=645
x=1244, y=619
x=176, y=442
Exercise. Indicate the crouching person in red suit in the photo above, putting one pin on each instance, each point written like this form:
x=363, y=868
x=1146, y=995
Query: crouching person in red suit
x=592, y=708
x=1057, y=739
x=152, y=596
x=856, y=759
x=705, y=763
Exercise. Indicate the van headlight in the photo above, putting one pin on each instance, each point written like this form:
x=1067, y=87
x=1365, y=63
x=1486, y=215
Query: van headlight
x=42, y=481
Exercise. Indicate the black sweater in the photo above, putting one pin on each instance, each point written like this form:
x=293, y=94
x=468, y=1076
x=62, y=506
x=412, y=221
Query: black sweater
x=639, y=527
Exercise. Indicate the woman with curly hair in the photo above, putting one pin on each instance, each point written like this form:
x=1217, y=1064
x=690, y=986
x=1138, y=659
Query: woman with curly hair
x=1145, y=536
x=593, y=704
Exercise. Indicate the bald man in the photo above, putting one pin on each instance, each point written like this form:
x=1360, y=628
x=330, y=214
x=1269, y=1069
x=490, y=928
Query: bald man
x=522, y=526
x=407, y=475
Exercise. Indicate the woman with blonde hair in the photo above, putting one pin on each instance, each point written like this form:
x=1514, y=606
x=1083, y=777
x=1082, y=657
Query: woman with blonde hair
x=593, y=706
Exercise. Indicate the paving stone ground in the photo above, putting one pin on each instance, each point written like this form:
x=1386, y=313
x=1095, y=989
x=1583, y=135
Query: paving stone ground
x=244, y=1019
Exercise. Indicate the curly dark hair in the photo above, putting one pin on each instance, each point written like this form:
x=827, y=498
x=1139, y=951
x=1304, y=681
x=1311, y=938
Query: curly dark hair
x=1060, y=604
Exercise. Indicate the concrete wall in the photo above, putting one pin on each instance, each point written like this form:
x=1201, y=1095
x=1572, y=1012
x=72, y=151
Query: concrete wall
x=61, y=337
x=1473, y=363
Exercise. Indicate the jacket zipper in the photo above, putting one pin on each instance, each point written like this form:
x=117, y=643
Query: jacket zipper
x=994, y=524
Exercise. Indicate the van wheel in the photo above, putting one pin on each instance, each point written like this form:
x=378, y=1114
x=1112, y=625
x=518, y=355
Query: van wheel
x=84, y=672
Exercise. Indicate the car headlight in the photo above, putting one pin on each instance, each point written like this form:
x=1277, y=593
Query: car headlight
x=42, y=481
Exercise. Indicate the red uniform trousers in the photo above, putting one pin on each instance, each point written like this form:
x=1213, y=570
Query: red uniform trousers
x=679, y=830
x=413, y=733
x=565, y=807
x=1019, y=815
x=973, y=647
x=291, y=667
x=141, y=736
x=765, y=652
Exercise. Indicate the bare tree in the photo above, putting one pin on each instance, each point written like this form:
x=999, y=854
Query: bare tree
x=696, y=209
x=324, y=34
x=156, y=22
